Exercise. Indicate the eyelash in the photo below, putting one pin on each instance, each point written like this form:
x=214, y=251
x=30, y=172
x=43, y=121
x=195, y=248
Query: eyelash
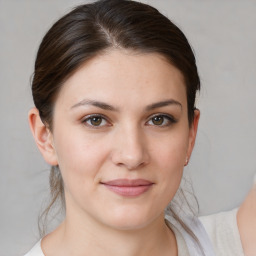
x=90, y=119
x=168, y=120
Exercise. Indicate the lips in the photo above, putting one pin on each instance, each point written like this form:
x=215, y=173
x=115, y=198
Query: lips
x=129, y=188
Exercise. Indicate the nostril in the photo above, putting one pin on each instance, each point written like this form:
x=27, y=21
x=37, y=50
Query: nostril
x=135, y=167
x=130, y=161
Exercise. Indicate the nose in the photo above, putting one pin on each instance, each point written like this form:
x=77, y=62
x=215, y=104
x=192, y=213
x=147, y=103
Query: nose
x=130, y=149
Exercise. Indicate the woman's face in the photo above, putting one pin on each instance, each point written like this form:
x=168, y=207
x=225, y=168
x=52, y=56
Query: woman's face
x=121, y=138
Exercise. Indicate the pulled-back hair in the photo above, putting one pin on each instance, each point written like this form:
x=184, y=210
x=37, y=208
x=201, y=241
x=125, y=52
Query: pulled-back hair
x=92, y=29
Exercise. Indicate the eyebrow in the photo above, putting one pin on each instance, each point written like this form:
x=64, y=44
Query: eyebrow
x=163, y=104
x=95, y=103
x=106, y=106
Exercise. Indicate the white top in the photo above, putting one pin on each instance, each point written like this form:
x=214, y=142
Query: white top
x=182, y=247
x=36, y=250
x=224, y=234
x=191, y=247
x=186, y=245
x=221, y=228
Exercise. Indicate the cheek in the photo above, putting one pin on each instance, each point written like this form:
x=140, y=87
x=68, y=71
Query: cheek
x=172, y=152
x=169, y=160
x=79, y=157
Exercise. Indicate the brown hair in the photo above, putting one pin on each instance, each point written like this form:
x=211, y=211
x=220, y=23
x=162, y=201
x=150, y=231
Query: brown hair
x=91, y=29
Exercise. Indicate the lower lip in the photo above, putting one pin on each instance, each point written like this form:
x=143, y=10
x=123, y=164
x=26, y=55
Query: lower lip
x=131, y=191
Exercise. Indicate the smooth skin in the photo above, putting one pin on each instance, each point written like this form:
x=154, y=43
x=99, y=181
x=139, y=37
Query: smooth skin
x=122, y=115
x=246, y=220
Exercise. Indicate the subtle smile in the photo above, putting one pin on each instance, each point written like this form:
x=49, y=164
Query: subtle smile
x=128, y=188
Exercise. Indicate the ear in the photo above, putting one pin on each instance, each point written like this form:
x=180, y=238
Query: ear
x=193, y=132
x=43, y=137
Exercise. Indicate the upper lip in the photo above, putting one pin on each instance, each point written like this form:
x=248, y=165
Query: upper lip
x=128, y=182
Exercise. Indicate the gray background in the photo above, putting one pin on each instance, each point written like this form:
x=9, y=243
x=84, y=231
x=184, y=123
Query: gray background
x=223, y=36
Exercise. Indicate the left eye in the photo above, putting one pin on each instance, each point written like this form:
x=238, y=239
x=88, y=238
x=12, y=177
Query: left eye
x=161, y=120
x=96, y=121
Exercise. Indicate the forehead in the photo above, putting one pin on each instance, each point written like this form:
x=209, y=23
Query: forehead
x=120, y=75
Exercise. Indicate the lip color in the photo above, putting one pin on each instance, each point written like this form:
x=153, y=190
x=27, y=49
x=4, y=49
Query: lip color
x=128, y=188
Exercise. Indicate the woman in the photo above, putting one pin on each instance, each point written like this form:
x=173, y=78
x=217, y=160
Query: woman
x=114, y=89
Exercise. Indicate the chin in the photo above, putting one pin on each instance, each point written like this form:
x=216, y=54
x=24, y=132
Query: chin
x=130, y=219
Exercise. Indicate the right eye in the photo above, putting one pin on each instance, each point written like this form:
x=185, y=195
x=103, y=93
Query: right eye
x=96, y=121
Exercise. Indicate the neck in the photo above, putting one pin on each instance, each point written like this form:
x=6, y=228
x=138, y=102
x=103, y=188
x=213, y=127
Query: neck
x=78, y=235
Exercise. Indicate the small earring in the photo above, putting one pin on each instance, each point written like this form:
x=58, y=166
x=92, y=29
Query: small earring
x=186, y=163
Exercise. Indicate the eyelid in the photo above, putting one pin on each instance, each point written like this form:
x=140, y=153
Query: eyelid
x=170, y=118
x=87, y=117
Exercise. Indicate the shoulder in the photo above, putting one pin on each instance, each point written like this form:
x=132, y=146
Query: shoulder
x=199, y=246
x=36, y=250
x=223, y=231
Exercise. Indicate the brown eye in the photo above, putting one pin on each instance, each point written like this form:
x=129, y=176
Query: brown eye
x=158, y=120
x=95, y=121
x=161, y=120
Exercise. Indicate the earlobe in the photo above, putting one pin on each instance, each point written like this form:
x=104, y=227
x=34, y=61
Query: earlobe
x=42, y=136
x=193, y=132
